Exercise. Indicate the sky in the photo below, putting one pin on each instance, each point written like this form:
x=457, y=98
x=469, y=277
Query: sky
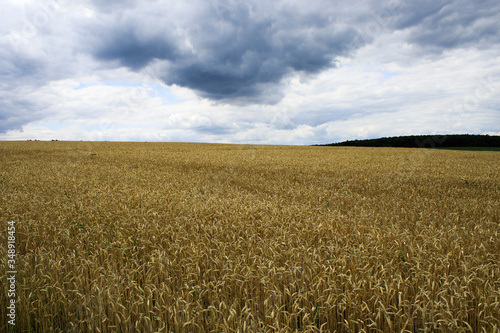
x=256, y=71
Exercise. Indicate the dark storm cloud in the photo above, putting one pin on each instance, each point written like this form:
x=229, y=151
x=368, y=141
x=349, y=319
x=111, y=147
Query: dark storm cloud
x=451, y=24
x=131, y=50
x=231, y=51
x=20, y=76
x=240, y=52
x=15, y=111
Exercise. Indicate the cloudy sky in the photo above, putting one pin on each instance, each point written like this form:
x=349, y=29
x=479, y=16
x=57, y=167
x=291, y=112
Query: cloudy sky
x=255, y=71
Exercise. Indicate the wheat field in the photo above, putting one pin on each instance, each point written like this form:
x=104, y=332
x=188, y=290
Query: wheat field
x=178, y=237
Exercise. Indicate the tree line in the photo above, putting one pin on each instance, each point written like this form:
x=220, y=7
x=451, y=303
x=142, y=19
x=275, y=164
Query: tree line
x=426, y=141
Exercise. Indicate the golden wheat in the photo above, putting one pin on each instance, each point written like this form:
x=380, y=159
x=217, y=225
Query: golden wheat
x=157, y=237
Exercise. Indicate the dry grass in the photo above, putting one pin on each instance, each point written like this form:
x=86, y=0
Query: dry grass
x=145, y=237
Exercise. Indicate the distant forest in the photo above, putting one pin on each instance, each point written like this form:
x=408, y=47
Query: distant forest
x=427, y=141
